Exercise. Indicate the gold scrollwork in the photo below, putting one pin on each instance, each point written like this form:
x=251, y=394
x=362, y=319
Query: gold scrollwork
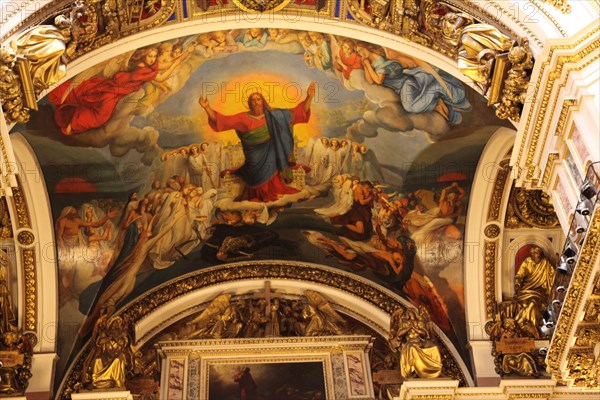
x=530, y=209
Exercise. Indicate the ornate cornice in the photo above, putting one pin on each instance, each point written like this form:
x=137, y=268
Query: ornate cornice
x=573, y=305
x=554, y=68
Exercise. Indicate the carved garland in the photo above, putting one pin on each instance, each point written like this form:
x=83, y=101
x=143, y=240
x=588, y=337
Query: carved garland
x=144, y=305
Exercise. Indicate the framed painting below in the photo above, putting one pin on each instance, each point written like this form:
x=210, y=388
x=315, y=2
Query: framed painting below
x=292, y=368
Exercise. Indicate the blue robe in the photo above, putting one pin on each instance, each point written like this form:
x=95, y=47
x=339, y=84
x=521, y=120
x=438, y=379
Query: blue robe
x=420, y=91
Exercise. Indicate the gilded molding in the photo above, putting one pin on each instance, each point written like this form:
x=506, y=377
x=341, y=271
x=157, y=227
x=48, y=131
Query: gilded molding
x=548, y=170
x=489, y=262
x=29, y=318
x=545, y=94
x=560, y=5
x=21, y=207
x=498, y=191
x=562, y=118
x=573, y=303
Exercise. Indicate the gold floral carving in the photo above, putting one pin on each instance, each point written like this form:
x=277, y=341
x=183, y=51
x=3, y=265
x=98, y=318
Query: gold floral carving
x=530, y=209
x=147, y=303
x=21, y=206
x=573, y=303
x=28, y=257
x=489, y=262
x=498, y=191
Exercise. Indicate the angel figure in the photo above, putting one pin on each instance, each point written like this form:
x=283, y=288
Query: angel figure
x=82, y=104
x=322, y=319
x=410, y=335
x=219, y=320
x=112, y=355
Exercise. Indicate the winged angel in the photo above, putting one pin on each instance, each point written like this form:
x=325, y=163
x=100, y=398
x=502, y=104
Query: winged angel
x=219, y=320
x=95, y=96
x=321, y=319
x=410, y=335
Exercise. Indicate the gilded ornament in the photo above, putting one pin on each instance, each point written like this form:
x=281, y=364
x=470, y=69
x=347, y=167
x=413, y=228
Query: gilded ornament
x=549, y=164
x=412, y=338
x=514, y=92
x=21, y=206
x=28, y=257
x=445, y=23
x=260, y=6
x=492, y=231
x=490, y=277
x=530, y=209
x=25, y=238
x=15, y=347
x=113, y=356
x=6, y=231
x=544, y=95
x=498, y=191
x=11, y=92
x=147, y=303
x=479, y=46
x=43, y=46
x=561, y=5
x=569, y=316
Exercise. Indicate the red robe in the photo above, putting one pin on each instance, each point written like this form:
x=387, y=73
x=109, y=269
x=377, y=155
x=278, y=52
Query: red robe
x=91, y=104
x=353, y=62
x=267, y=154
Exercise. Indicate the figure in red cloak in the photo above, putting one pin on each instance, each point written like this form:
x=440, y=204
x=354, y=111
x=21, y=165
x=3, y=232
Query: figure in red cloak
x=91, y=104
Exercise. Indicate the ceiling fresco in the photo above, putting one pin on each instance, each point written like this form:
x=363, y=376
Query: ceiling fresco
x=259, y=144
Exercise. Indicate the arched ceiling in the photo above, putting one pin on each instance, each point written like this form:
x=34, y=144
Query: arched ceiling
x=122, y=120
x=134, y=119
